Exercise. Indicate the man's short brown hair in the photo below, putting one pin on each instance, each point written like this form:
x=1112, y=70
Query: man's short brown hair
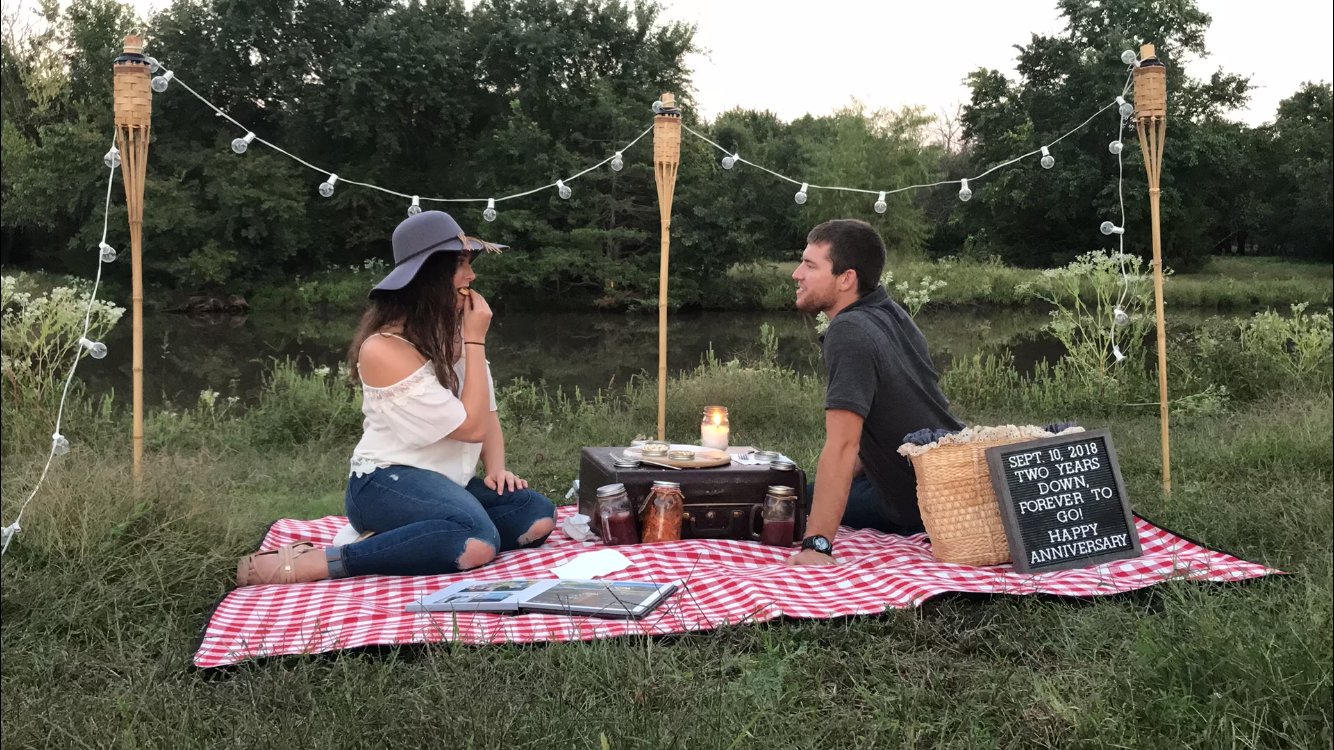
x=853, y=244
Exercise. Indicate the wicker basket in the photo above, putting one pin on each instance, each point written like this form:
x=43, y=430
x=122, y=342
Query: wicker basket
x=955, y=496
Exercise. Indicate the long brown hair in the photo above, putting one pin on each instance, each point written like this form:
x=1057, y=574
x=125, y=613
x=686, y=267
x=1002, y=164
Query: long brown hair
x=427, y=308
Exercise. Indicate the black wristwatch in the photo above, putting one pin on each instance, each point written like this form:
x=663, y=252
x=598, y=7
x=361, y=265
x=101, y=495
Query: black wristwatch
x=819, y=544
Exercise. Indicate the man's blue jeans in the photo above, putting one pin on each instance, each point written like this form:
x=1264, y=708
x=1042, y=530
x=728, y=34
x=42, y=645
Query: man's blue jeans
x=423, y=520
x=866, y=508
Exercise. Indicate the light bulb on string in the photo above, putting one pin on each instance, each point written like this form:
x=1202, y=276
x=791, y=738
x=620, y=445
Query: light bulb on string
x=730, y=161
x=965, y=192
x=1115, y=146
x=112, y=158
x=1110, y=228
x=1048, y=161
x=880, y=205
x=159, y=83
x=657, y=107
x=327, y=187
x=1120, y=317
x=1130, y=58
x=617, y=163
x=96, y=349
x=106, y=252
x=1124, y=107
x=239, y=145
x=490, y=213
x=59, y=445
x=153, y=65
x=1116, y=353
x=800, y=197
x=563, y=190
x=416, y=206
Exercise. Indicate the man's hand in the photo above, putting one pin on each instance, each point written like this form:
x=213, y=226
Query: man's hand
x=503, y=480
x=811, y=557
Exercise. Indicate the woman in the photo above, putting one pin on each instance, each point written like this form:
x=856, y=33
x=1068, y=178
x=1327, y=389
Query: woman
x=412, y=493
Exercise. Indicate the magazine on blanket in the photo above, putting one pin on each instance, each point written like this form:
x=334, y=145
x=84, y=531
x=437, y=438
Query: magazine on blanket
x=618, y=599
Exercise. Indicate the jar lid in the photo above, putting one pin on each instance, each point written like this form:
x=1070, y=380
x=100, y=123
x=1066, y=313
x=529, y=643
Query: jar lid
x=607, y=490
x=779, y=489
x=662, y=484
x=782, y=465
x=715, y=410
x=682, y=455
x=626, y=463
x=767, y=455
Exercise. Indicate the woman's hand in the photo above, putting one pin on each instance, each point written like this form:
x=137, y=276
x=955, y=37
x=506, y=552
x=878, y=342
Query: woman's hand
x=476, y=315
x=502, y=480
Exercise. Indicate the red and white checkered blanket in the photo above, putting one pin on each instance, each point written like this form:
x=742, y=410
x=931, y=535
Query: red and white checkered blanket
x=725, y=582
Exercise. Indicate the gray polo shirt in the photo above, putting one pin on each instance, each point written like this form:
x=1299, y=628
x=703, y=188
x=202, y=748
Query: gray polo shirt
x=879, y=368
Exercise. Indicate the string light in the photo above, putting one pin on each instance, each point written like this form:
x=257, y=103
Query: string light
x=563, y=190
x=617, y=163
x=106, y=253
x=1110, y=228
x=1124, y=107
x=1048, y=161
x=159, y=83
x=490, y=213
x=327, y=187
x=416, y=206
x=239, y=145
x=657, y=107
x=59, y=445
x=112, y=158
x=965, y=192
x=1120, y=317
x=1115, y=146
x=880, y=205
x=1130, y=58
x=96, y=349
x=1116, y=352
x=800, y=197
x=730, y=161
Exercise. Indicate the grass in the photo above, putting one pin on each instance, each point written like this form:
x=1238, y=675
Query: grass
x=107, y=586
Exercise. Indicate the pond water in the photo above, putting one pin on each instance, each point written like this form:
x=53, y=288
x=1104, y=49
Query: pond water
x=184, y=355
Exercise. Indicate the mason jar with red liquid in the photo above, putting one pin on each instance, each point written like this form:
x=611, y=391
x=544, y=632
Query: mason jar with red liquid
x=662, y=512
x=778, y=516
x=614, y=515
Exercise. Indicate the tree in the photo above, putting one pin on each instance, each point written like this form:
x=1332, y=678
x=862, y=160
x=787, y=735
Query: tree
x=1039, y=217
x=1296, y=191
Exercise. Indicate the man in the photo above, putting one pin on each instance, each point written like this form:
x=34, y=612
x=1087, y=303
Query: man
x=882, y=386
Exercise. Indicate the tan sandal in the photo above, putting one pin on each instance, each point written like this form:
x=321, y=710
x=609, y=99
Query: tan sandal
x=283, y=572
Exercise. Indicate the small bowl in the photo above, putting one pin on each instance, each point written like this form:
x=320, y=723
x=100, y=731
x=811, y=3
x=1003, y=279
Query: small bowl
x=682, y=455
x=655, y=450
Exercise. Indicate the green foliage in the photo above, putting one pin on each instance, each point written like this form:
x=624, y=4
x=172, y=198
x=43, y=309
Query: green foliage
x=1296, y=213
x=41, y=333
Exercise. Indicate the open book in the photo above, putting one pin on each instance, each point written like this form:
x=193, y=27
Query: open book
x=621, y=599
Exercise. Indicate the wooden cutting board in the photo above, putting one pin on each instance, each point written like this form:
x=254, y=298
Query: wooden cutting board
x=705, y=458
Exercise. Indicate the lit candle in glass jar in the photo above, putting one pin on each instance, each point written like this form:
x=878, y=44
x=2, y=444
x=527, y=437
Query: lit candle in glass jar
x=713, y=430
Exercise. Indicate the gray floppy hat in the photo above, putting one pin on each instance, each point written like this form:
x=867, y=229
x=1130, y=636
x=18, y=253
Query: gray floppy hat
x=419, y=237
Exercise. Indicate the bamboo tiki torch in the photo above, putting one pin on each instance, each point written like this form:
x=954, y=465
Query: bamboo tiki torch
x=666, y=159
x=1151, y=126
x=133, y=108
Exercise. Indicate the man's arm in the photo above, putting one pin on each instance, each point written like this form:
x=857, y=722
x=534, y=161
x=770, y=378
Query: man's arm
x=838, y=463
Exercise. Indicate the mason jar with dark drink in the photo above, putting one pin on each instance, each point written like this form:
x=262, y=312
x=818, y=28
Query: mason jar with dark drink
x=779, y=516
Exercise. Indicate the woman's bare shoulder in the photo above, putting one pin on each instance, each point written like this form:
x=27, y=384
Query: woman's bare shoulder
x=385, y=360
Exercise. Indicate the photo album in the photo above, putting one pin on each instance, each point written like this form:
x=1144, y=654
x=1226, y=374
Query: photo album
x=619, y=599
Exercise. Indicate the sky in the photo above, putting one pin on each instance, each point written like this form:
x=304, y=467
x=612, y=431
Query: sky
x=796, y=57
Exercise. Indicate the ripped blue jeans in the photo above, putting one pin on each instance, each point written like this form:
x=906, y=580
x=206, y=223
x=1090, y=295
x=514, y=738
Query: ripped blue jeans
x=423, y=520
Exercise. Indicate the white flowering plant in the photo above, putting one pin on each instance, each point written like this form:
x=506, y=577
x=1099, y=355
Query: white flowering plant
x=913, y=298
x=39, y=332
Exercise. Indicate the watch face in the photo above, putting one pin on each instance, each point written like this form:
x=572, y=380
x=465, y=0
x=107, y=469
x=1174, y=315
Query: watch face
x=818, y=543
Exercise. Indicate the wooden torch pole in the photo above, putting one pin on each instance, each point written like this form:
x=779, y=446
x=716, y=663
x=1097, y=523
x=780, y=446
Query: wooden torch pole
x=666, y=159
x=1151, y=126
x=134, y=108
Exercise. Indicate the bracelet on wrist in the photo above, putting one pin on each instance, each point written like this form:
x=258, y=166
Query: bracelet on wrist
x=475, y=343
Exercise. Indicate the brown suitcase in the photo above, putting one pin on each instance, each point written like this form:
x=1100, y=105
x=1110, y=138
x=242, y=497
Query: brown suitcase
x=720, y=503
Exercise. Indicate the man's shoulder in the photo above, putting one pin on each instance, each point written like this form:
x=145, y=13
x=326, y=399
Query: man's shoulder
x=853, y=327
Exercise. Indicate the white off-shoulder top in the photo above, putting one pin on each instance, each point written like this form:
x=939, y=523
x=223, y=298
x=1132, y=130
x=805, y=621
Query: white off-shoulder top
x=408, y=424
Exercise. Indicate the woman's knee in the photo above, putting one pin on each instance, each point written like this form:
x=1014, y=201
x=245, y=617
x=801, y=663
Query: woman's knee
x=480, y=546
x=543, y=514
